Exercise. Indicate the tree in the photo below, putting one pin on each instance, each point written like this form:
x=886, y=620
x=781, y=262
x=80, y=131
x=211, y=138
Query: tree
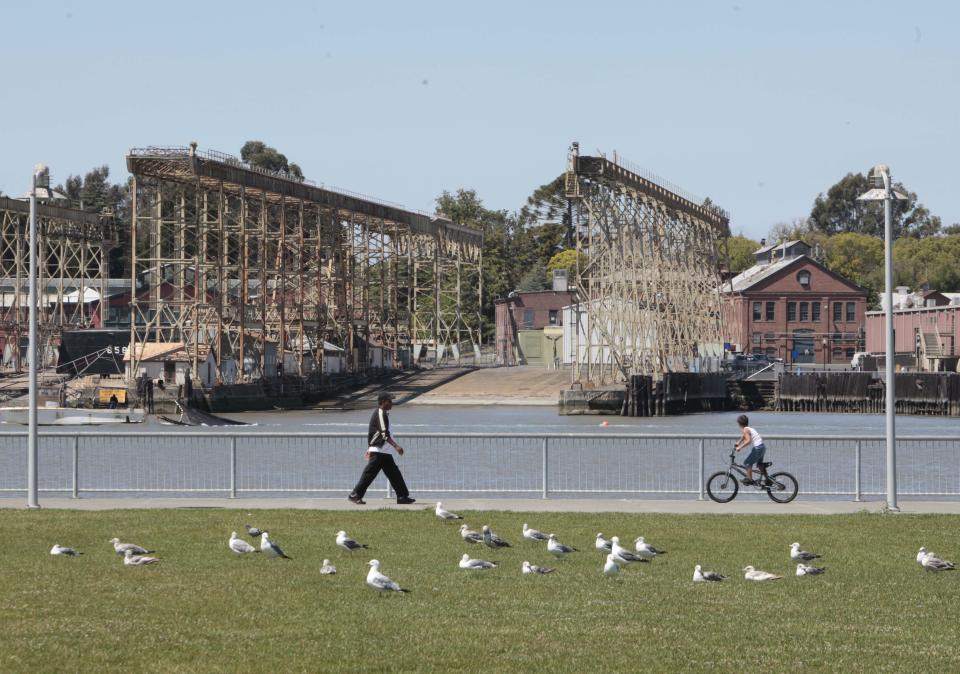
x=263, y=156
x=567, y=259
x=931, y=262
x=535, y=278
x=859, y=258
x=741, y=250
x=840, y=211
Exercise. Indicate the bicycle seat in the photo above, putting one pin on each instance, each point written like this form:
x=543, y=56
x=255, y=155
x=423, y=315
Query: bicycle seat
x=766, y=464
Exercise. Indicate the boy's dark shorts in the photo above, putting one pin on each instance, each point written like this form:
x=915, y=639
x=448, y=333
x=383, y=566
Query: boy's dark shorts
x=756, y=455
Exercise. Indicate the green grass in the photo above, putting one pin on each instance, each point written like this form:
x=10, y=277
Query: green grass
x=205, y=609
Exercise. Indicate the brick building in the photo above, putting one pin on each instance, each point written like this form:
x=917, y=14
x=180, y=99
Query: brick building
x=790, y=306
x=528, y=326
x=926, y=325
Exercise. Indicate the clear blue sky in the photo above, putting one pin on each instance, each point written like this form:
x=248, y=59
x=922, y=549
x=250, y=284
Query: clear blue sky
x=759, y=105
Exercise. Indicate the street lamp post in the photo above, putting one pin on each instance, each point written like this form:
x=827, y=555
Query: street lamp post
x=883, y=191
x=41, y=178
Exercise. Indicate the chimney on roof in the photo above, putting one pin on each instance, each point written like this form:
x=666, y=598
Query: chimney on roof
x=763, y=242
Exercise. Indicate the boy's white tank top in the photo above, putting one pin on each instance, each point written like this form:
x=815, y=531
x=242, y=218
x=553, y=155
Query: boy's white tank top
x=755, y=438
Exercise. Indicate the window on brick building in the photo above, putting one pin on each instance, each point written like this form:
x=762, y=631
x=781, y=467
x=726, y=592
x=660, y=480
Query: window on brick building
x=851, y=312
x=770, y=310
x=528, y=315
x=804, y=311
x=757, y=337
x=791, y=311
x=837, y=311
x=553, y=317
x=816, y=312
x=803, y=278
x=756, y=310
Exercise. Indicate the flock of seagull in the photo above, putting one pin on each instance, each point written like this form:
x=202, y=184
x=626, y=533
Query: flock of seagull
x=616, y=555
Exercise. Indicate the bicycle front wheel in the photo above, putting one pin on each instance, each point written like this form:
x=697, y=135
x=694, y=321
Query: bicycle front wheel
x=784, y=487
x=722, y=487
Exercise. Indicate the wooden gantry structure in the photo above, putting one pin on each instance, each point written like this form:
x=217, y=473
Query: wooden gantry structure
x=648, y=284
x=246, y=261
x=72, y=272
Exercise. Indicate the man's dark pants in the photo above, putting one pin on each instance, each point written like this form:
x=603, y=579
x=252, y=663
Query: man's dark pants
x=381, y=461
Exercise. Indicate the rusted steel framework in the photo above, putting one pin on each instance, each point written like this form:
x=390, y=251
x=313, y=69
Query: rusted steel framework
x=72, y=258
x=648, y=285
x=253, y=262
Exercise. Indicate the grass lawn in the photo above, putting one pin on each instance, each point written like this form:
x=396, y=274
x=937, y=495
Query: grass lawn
x=205, y=609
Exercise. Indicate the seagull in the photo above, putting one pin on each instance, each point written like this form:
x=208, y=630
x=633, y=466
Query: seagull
x=268, y=546
x=131, y=559
x=446, y=514
x=621, y=554
x=469, y=535
x=805, y=570
x=58, y=549
x=379, y=582
x=254, y=531
x=798, y=555
x=700, y=576
x=559, y=550
x=751, y=573
x=602, y=544
x=327, y=569
x=491, y=540
x=533, y=568
x=347, y=543
x=611, y=568
x=921, y=555
x=466, y=562
x=121, y=548
x=533, y=534
x=933, y=563
x=646, y=550
x=240, y=546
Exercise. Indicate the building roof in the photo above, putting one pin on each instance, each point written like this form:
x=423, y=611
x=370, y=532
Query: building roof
x=750, y=277
x=788, y=244
x=155, y=351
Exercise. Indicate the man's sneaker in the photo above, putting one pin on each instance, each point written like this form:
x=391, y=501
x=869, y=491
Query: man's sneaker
x=353, y=498
x=406, y=500
x=747, y=483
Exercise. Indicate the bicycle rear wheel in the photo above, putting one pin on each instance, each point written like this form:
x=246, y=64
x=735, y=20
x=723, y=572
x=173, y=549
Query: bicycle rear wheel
x=784, y=487
x=722, y=487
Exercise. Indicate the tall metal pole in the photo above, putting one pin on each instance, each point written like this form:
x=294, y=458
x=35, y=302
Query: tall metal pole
x=890, y=390
x=32, y=495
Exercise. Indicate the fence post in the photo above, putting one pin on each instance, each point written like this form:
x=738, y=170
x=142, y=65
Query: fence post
x=76, y=467
x=544, y=495
x=700, y=496
x=233, y=467
x=856, y=474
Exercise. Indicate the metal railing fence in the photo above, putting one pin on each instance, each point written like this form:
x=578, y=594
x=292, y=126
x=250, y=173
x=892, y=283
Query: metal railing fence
x=541, y=465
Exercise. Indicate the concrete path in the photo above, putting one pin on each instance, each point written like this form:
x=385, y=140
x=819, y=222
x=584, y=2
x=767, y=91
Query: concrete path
x=754, y=507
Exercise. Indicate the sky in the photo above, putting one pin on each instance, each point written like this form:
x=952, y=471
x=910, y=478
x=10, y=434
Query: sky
x=759, y=105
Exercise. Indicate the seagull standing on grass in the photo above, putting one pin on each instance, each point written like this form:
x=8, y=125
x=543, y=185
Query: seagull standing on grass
x=806, y=570
x=271, y=548
x=646, y=550
x=347, y=543
x=240, y=546
x=933, y=563
x=602, y=544
x=121, y=548
x=621, y=554
x=798, y=555
x=379, y=582
x=327, y=569
x=921, y=555
x=446, y=514
x=131, y=559
x=611, y=568
x=533, y=534
x=491, y=540
x=469, y=535
x=700, y=576
x=558, y=549
x=58, y=549
x=470, y=564
x=533, y=568
x=751, y=573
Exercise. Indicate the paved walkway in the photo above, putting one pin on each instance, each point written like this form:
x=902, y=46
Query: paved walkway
x=756, y=507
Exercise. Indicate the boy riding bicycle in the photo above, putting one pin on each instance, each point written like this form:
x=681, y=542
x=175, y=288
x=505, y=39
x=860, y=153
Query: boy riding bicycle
x=749, y=436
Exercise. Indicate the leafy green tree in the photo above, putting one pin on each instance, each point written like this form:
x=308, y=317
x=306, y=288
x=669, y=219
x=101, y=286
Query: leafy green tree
x=931, y=261
x=840, y=211
x=741, y=250
x=859, y=258
x=535, y=278
x=263, y=156
x=566, y=259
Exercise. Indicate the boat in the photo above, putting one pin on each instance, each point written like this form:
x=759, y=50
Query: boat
x=72, y=416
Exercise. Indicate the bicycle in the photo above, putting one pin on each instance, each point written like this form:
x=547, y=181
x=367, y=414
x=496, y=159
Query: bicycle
x=723, y=486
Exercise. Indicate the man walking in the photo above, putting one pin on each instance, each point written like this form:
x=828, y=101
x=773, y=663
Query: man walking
x=379, y=457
